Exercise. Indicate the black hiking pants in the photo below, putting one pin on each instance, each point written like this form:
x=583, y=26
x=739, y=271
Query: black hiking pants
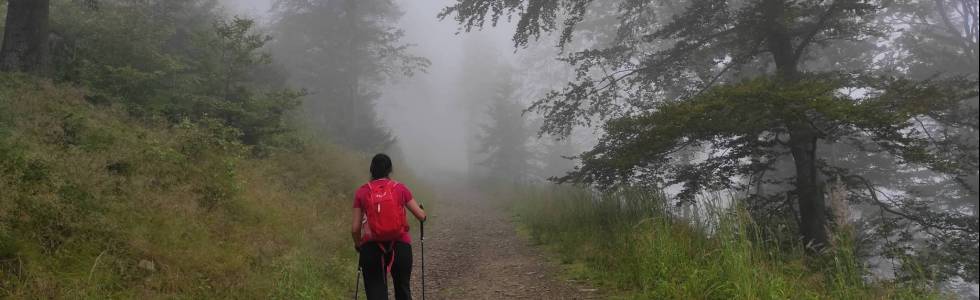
x=376, y=258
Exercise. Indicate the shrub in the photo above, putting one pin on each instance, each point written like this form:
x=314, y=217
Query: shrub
x=99, y=204
x=630, y=242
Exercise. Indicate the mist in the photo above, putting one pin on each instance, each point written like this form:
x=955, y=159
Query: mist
x=428, y=117
x=448, y=119
x=746, y=148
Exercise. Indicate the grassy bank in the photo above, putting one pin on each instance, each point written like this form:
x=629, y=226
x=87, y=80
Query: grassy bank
x=96, y=204
x=629, y=246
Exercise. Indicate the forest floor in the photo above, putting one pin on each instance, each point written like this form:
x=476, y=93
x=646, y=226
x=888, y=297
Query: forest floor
x=473, y=251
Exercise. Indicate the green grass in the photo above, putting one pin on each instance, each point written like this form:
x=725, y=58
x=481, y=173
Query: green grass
x=630, y=247
x=96, y=204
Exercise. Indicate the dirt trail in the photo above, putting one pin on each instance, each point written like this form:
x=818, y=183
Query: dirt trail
x=472, y=251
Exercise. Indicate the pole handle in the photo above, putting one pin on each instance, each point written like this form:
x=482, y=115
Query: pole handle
x=422, y=224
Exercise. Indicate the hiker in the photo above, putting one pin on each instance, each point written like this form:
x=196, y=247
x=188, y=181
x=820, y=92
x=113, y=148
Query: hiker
x=380, y=231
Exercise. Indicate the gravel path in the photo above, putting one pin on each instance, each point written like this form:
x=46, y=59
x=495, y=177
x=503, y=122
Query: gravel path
x=472, y=251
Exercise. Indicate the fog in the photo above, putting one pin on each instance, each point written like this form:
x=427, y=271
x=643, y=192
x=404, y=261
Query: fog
x=254, y=8
x=457, y=98
x=427, y=116
x=834, y=131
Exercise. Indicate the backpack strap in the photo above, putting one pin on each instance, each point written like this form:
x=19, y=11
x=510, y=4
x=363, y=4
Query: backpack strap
x=371, y=196
x=392, y=184
x=391, y=260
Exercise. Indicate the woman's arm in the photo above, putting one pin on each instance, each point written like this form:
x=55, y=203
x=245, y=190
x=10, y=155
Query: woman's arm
x=355, y=226
x=413, y=206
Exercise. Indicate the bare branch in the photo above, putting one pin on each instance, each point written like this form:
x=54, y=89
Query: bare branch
x=873, y=192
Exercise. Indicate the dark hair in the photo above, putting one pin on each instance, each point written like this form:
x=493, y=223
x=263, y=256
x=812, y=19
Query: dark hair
x=380, y=166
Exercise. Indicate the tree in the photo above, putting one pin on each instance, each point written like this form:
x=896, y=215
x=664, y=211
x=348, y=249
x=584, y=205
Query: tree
x=25, y=38
x=731, y=77
x=227, y=58
x=504, y=138
x=478, y=87
x=938, y=37
x=554, y=156
x=177, y=59
x=342, y=51
x=136, y=52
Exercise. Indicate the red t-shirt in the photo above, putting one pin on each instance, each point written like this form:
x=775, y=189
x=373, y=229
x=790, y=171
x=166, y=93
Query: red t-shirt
x=402, y=194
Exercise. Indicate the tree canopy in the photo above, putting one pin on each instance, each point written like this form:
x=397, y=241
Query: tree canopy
x=342, y=52
x=762, y=89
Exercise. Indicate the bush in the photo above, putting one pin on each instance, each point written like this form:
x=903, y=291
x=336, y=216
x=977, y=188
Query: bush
x=99, y=204
x=631, y=243
x=176, y=59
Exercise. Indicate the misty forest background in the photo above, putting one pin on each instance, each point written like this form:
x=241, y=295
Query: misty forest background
x=735, y=149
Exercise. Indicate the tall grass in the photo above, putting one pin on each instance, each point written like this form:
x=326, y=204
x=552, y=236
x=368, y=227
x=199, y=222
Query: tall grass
x=95, y=204
x=636, y=246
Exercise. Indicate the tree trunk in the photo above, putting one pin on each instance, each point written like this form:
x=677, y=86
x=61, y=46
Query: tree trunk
x=25, y=39
x=803, y=138
x=809, y=189
x=353, y=75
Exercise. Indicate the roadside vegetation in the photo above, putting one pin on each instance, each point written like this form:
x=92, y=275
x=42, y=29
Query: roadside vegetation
x=632, y=245
x=98, y=204
x=156, y=149
x=847, y=128
x=168, y=149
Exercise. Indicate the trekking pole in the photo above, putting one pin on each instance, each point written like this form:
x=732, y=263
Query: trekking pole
x=357, y=283
x=422, y=250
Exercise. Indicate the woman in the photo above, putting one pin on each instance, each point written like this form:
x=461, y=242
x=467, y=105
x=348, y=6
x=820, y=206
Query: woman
x=388, y=248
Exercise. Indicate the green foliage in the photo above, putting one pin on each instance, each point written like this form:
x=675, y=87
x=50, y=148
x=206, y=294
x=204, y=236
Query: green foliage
x=162, y=162
x=756, y=87
x=343, y=52
x=226, y=59
x=771, y=93
x=504, y=139
x=114, y=48
x=99, y=204
x=184, y=61
x=746, y=125
x=752, y=119
x=634, y=245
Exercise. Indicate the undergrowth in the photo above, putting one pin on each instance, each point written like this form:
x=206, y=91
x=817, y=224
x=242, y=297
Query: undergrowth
x=634, y=246
x=97, y=204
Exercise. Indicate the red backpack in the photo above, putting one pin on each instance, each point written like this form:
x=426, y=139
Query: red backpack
x=385, y=214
